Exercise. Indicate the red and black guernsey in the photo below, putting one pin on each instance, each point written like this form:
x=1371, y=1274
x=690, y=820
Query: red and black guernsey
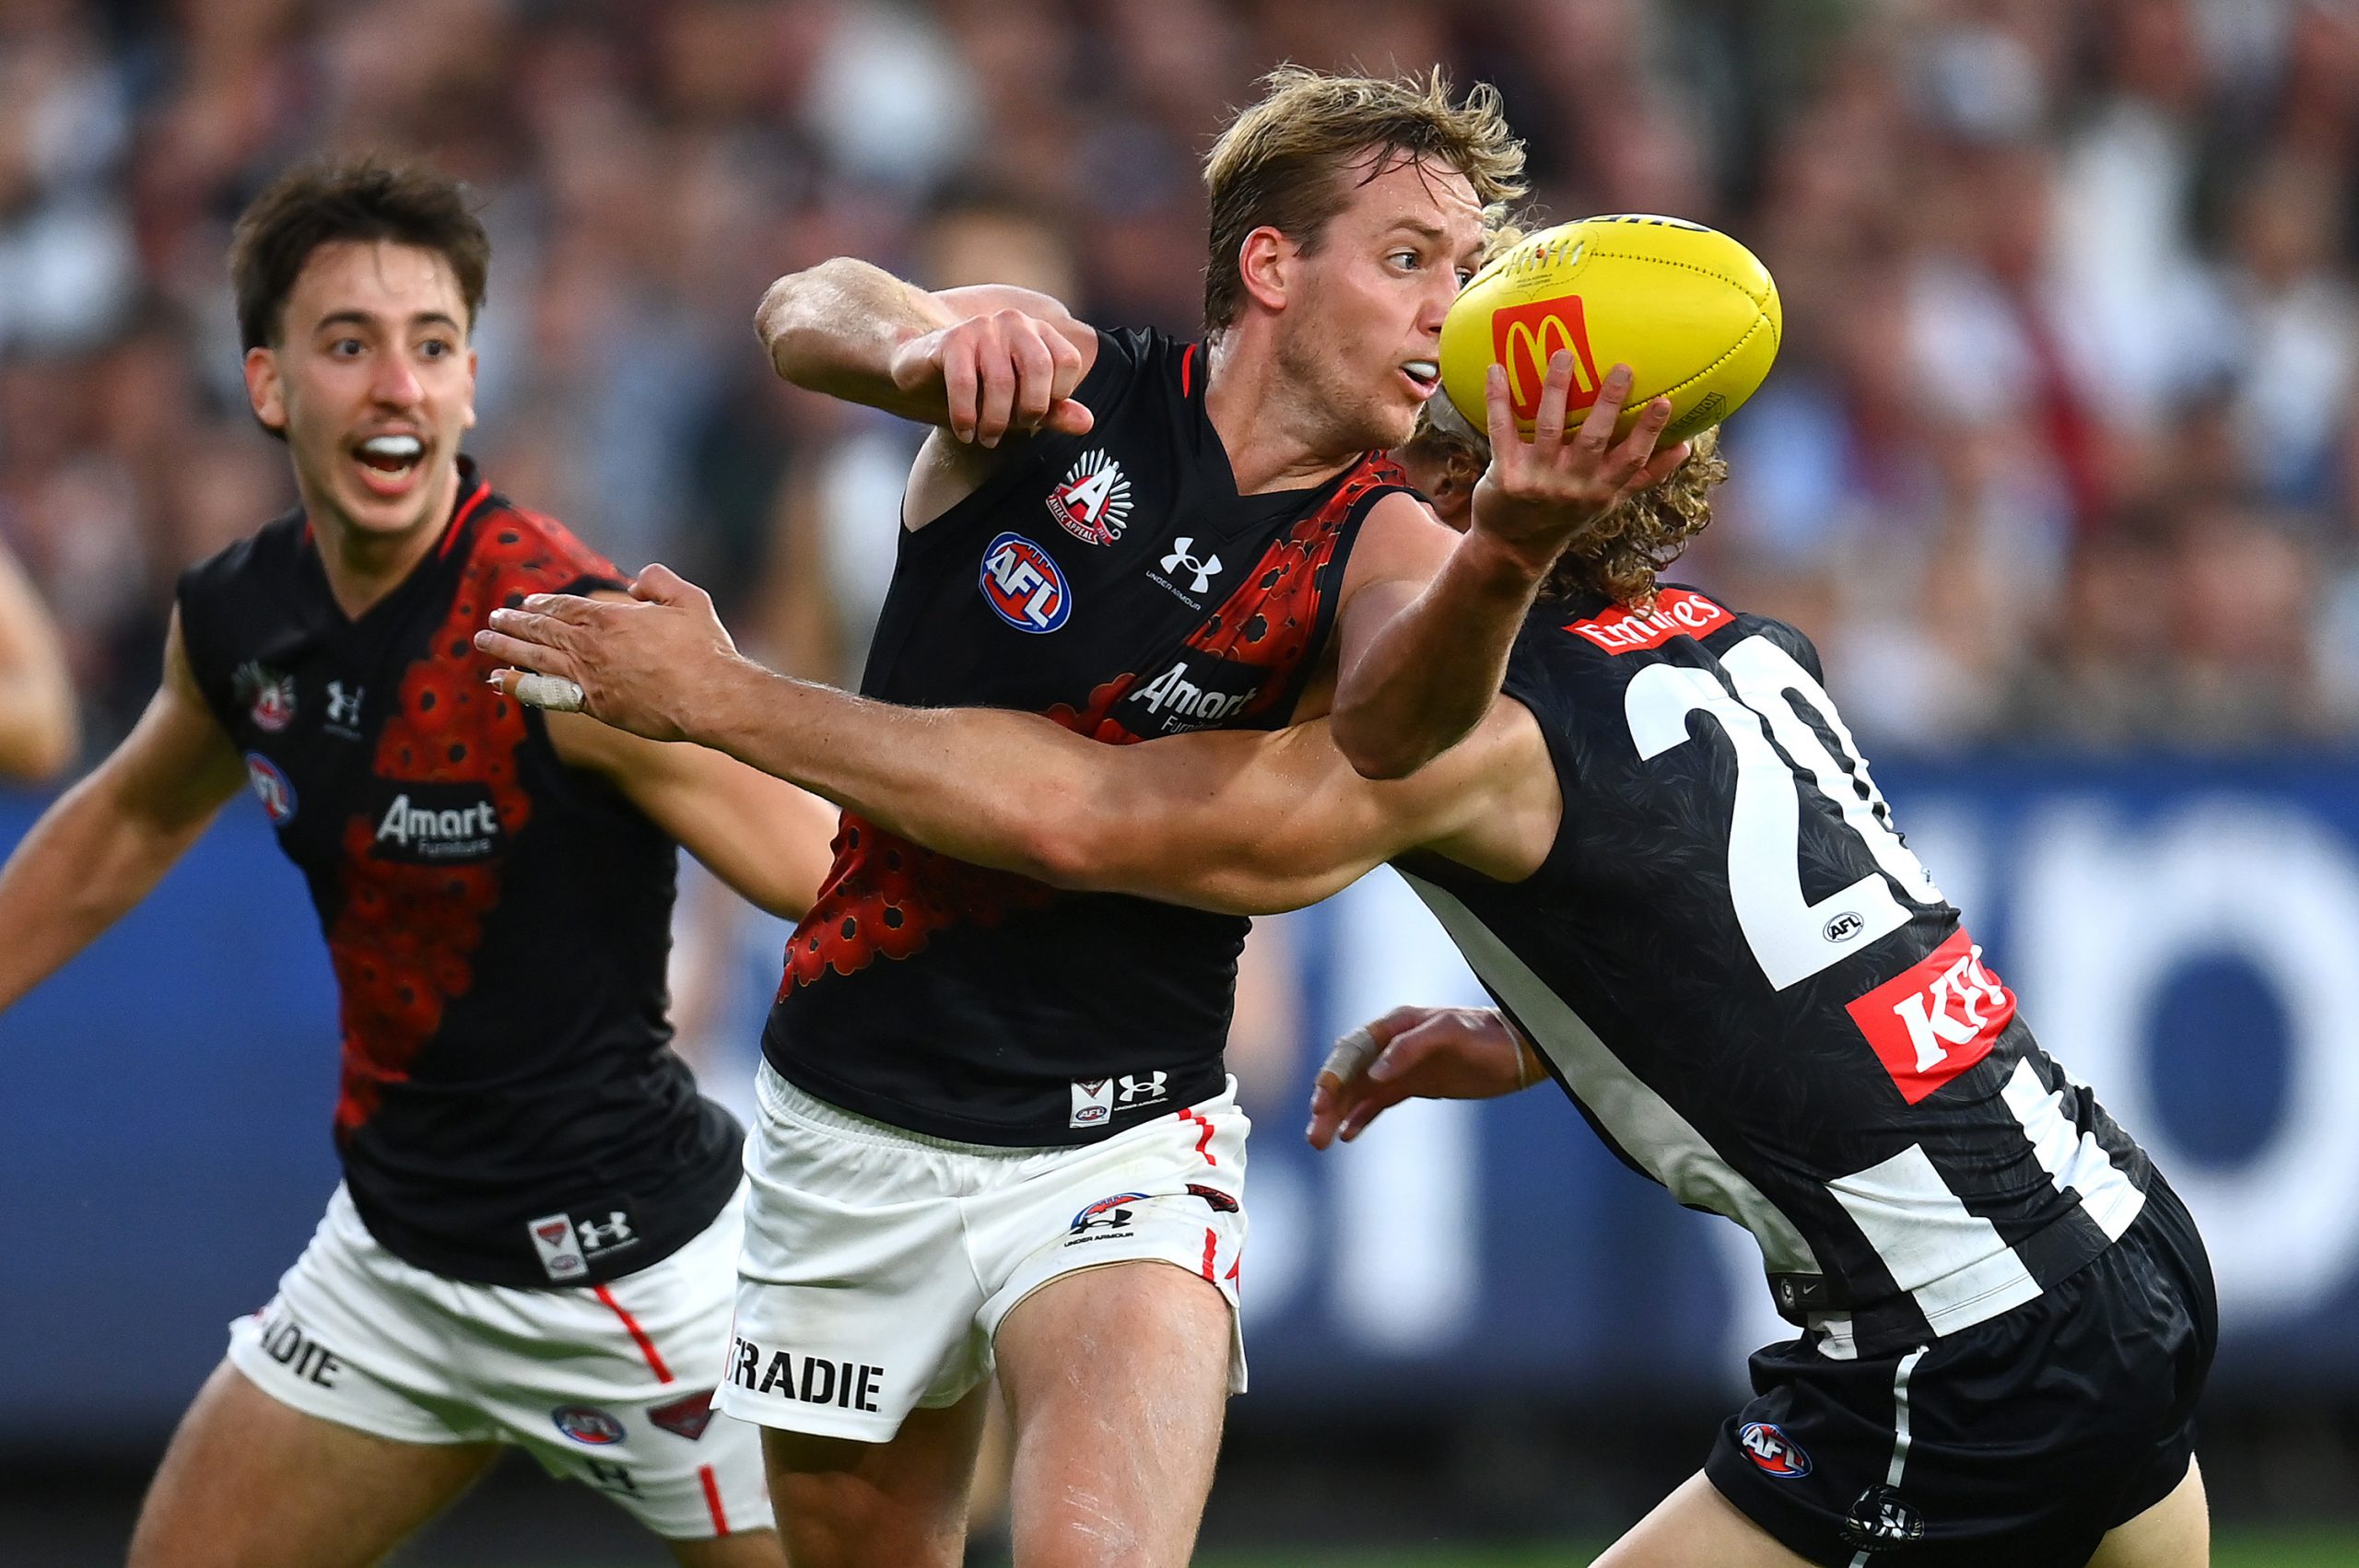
x=1118, y=582
x=499, y=922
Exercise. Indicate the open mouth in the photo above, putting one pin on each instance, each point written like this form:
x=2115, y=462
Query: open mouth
x=388, y=463
x=1423, y=374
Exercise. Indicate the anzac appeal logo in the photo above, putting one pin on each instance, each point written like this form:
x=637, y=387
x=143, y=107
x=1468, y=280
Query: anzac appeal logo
x=1093, y=503
x=269, y=695
x=1523, y=337
x=1023, y=586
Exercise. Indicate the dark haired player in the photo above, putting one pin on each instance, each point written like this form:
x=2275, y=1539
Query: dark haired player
x=534, y=1241
x=1664, y=855
x=985, y=1104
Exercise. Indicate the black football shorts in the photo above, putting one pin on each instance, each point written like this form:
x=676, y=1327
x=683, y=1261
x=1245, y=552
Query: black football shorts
x=2028, y=1437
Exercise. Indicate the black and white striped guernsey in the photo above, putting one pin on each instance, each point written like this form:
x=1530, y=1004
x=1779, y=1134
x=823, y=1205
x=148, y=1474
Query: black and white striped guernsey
x=1756, y=994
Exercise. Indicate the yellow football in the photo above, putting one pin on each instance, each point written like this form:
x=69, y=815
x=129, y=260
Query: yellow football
x=1692, y=312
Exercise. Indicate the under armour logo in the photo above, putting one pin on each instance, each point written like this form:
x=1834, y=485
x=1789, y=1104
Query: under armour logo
x=1137, y=1090
x=1206, y=569
x=344, y=707
x=596, y=1238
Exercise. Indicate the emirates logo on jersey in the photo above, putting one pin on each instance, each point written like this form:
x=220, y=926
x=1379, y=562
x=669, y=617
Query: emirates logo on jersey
x=1678, y=612
x=1094, y=502
x=1936, y=1018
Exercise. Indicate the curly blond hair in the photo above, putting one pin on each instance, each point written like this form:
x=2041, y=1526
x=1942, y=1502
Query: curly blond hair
x=1282, y=160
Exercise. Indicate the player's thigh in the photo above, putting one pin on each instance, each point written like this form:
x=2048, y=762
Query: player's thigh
x=1115, y=1444
x=748, y=1548
x=1694, y=1527
x=249, y=1483
x=842, y=1503
x=2174, y=1533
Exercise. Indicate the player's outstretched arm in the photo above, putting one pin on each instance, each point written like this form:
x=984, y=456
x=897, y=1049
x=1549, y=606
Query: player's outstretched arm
x=979, y=362
x=39, y=729
x=1420, y=662
x=1417, y=1053
x=1241, y=821
x=767, y=839
x=106, y=841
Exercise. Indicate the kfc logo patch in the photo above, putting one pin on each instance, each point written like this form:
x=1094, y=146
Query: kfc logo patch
x=1677, y=612
x=1094, y=502
x=1937, y=1018
x=1524, y=337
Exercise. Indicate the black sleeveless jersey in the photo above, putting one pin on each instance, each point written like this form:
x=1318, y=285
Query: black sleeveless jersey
x=1755, y=993
x=1118, y=582
x=499, y=922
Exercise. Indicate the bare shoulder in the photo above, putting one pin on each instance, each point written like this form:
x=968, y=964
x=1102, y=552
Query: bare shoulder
x=1401, y=539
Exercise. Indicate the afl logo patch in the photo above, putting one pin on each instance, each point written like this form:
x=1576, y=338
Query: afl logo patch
x=1023, y=586
x=1772, y=1451
x=587, y=1423
x=271, y=787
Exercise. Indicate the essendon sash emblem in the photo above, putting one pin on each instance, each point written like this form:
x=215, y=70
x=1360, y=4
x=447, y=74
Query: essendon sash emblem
x=1522, y=339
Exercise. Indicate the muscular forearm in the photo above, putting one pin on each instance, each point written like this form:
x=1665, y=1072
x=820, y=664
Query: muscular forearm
x=83, y=865
x=1428, y=675
x=834, y=328
x=990, y=788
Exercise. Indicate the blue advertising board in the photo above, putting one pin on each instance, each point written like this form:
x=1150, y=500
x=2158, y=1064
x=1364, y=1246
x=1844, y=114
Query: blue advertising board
x=2183, y=934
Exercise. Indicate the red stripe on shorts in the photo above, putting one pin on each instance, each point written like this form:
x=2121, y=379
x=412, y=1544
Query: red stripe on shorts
x=1210, y=1241
x=713, y=1501
x=646, y=1345
x=1201, y=1144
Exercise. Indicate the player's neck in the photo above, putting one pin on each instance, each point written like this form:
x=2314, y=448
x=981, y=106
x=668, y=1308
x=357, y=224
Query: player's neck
x=365, y=565
x=1274, y=442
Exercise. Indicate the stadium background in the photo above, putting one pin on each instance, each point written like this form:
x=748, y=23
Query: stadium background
x=2060, y=467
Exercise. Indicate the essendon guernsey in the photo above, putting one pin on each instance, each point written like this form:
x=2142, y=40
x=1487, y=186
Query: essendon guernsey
x=497, y=922
x=1754, y=989
x=1118, y=582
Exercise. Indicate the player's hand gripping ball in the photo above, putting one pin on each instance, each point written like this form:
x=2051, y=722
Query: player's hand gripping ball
x=1692, y=312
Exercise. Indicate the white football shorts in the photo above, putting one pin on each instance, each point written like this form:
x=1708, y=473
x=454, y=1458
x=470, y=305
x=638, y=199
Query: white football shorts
x=879, y=1262
x=609, y=1384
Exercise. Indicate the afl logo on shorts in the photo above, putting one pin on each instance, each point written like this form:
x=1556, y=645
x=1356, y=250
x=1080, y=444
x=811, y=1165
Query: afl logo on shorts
x=1024, y=585
x=587, y=1423
x=1772, y=1451
x=271, y=787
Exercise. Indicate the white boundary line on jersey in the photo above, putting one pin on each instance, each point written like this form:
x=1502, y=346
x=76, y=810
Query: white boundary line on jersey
x=1899, y=1432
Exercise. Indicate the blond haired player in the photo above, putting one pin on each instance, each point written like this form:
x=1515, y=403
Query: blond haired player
x=1668, y=861
x=997, y=1135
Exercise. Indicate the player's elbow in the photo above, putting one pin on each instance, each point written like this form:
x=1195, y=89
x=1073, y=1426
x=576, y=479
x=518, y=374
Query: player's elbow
x=1380, y=752
x=42, y=745
x=793, y=325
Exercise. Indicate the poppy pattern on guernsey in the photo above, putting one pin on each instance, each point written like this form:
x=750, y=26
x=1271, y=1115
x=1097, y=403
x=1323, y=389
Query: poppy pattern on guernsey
x=885, y=897
x=403, y=944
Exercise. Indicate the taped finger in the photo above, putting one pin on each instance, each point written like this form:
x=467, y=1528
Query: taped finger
x=553, y=694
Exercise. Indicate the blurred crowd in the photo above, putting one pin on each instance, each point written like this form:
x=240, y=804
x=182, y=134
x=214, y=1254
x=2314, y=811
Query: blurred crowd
x=2060, y=448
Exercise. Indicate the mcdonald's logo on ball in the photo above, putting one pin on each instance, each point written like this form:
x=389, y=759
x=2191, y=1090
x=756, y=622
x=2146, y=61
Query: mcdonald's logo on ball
x=1692, y=312
x=1524, y=337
